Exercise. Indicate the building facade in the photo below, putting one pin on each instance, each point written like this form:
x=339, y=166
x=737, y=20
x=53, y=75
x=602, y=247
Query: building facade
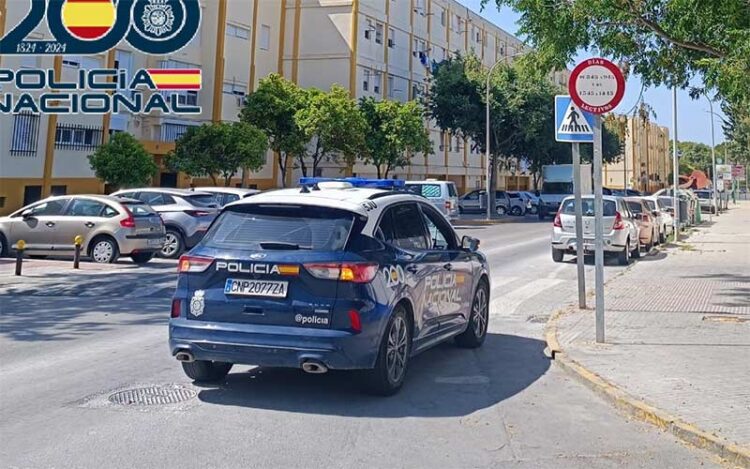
x=380, y=48
x=646, y=162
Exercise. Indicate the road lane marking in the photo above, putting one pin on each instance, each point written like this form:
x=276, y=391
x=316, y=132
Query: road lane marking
x=506, y=305
x=505, y=247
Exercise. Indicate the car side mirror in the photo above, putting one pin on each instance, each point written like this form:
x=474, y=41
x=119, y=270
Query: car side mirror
x=655, y=213
x=26, y=214
x=470, y=244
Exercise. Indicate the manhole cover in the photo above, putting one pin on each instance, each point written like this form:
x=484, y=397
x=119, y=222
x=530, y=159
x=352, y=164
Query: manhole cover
x=152, y=395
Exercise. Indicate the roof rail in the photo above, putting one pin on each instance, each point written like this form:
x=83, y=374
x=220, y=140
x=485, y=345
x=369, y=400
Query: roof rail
x=356, y=182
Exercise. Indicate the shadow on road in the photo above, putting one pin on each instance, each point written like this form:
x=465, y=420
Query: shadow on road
x=445, y=381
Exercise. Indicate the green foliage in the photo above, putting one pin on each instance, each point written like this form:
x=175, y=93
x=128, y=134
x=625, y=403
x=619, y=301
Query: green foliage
x=123, y=162
x=219, y=149
x=522, y=111
x=663, y=41
x=332, y=123
x=273, y=108
x=394, y=131
x=694, y=156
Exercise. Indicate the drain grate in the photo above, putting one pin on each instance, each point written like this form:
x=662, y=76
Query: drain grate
x=152, y=395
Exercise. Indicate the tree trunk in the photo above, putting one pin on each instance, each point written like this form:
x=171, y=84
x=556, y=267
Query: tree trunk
x=282, y=168
x=228, y=180
x=214, y=179
x=377, y=168
x=244, y=176
x=302, y=164
x=491, y=199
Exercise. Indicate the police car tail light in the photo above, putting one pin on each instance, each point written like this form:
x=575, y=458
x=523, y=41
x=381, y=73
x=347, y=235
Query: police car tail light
x=353, y=272
x=354, y=321
x=193, y=264
x=176, y=308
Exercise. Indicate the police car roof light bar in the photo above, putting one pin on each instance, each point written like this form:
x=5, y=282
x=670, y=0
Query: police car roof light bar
x=357, y=182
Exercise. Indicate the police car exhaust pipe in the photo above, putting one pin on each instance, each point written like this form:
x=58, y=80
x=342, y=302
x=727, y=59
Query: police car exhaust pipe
x=313, y=367
x=184, y=356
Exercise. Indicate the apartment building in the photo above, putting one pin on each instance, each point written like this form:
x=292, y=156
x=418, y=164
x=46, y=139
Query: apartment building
x=646, y=162
x=381, y=48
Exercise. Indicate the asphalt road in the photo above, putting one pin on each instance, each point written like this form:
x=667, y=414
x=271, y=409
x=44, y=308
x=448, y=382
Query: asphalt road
x=69, y=341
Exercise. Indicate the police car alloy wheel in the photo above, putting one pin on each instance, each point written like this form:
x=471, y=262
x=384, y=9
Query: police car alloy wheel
x=476, y=331
x=393, y=358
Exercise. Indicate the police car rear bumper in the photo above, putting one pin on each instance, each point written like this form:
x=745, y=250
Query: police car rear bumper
x=274, y=346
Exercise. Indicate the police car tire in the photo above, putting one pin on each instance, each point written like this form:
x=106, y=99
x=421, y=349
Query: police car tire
x=469, y=338
x=206, y=371
x=376, y=380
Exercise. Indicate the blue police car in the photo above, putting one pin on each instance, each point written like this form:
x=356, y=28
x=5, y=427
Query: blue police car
x=346, y=274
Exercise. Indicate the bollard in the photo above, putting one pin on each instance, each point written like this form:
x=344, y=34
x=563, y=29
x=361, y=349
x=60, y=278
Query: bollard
x=20, y=246
x=77, y=255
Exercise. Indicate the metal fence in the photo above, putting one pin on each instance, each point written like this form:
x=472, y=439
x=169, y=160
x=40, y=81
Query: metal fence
x=23, y=141
x=77, y=137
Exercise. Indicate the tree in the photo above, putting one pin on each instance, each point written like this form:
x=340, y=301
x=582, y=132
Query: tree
x=663, y=41
x=694, y=156
x=333, y=123
x=394, y=132
x=219, y=149
x=123, y=162
x=272, y=108
x=522, y=112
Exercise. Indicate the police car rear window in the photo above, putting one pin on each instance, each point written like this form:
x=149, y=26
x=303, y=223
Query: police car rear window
x=426, y=190
x=281, y=228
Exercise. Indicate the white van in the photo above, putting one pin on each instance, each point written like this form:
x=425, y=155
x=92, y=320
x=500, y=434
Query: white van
x=442, y=194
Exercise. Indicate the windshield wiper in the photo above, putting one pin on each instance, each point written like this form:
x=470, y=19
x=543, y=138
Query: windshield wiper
x=281, y=245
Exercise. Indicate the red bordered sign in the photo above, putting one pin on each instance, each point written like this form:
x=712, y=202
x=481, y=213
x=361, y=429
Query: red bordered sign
x=596, y=85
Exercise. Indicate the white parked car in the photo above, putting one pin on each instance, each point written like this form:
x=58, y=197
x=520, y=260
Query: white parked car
x=442, y=194
x=663, y=215
x=620, y=229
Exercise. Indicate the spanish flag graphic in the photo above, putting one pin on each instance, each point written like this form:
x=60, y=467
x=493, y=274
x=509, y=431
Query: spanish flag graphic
x=88, y=19
x=176, y=79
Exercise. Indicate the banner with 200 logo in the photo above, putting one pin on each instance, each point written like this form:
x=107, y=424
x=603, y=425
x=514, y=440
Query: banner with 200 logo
x=85, y=27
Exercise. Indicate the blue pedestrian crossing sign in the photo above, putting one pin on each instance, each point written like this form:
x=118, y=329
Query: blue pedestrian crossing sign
x=571, y=123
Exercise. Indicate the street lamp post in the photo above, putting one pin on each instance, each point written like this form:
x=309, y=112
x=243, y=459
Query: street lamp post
x=488, y=167
x=713, y=157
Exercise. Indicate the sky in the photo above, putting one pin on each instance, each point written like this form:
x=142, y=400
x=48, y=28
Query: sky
x=693, y=117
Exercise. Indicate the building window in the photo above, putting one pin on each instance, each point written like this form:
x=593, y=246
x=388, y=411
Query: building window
x=265, y=37
x=238, y=31
x=71, y=61
x=369, y=29
x=171, y=131
x=391, y=37
x=23, y=141
x=234, y=88
x=391, y=86
x=366, y=81
x=188, y=98
x=77, y=137
x=443, y=17
x=376, y=83
x=56, y=191
x=378, y=33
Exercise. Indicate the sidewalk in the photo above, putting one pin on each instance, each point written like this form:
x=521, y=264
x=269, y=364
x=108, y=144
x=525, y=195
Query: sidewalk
x=677, y=349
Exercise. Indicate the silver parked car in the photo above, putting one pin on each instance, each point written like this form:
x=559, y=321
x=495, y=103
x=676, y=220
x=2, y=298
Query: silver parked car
x=519, y=205
x=187, y=215
x=475, y=201
x=110, y=228
x=620, y=229
x=227, y=195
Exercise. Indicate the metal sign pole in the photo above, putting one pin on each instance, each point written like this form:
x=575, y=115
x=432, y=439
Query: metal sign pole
x=579, y=225
x=598, y=229
x=675, y=168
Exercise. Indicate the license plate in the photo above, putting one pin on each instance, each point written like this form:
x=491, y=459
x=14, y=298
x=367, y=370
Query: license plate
x=266, y=288
x=156, y=242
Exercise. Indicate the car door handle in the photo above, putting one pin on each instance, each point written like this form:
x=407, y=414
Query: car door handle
x=50, y=224
x=412, y=268
x=448, y=266
x=89, y=224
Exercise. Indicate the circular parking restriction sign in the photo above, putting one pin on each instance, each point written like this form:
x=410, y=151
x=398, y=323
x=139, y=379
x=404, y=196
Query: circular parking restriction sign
x=596, y=85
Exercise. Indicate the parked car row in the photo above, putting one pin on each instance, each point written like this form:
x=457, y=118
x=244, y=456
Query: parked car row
x=138, y=223
x=517, y=203
x=632, y=226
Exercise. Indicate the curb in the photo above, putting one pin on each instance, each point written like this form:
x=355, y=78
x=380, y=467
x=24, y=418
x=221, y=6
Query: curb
x=636, y=408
